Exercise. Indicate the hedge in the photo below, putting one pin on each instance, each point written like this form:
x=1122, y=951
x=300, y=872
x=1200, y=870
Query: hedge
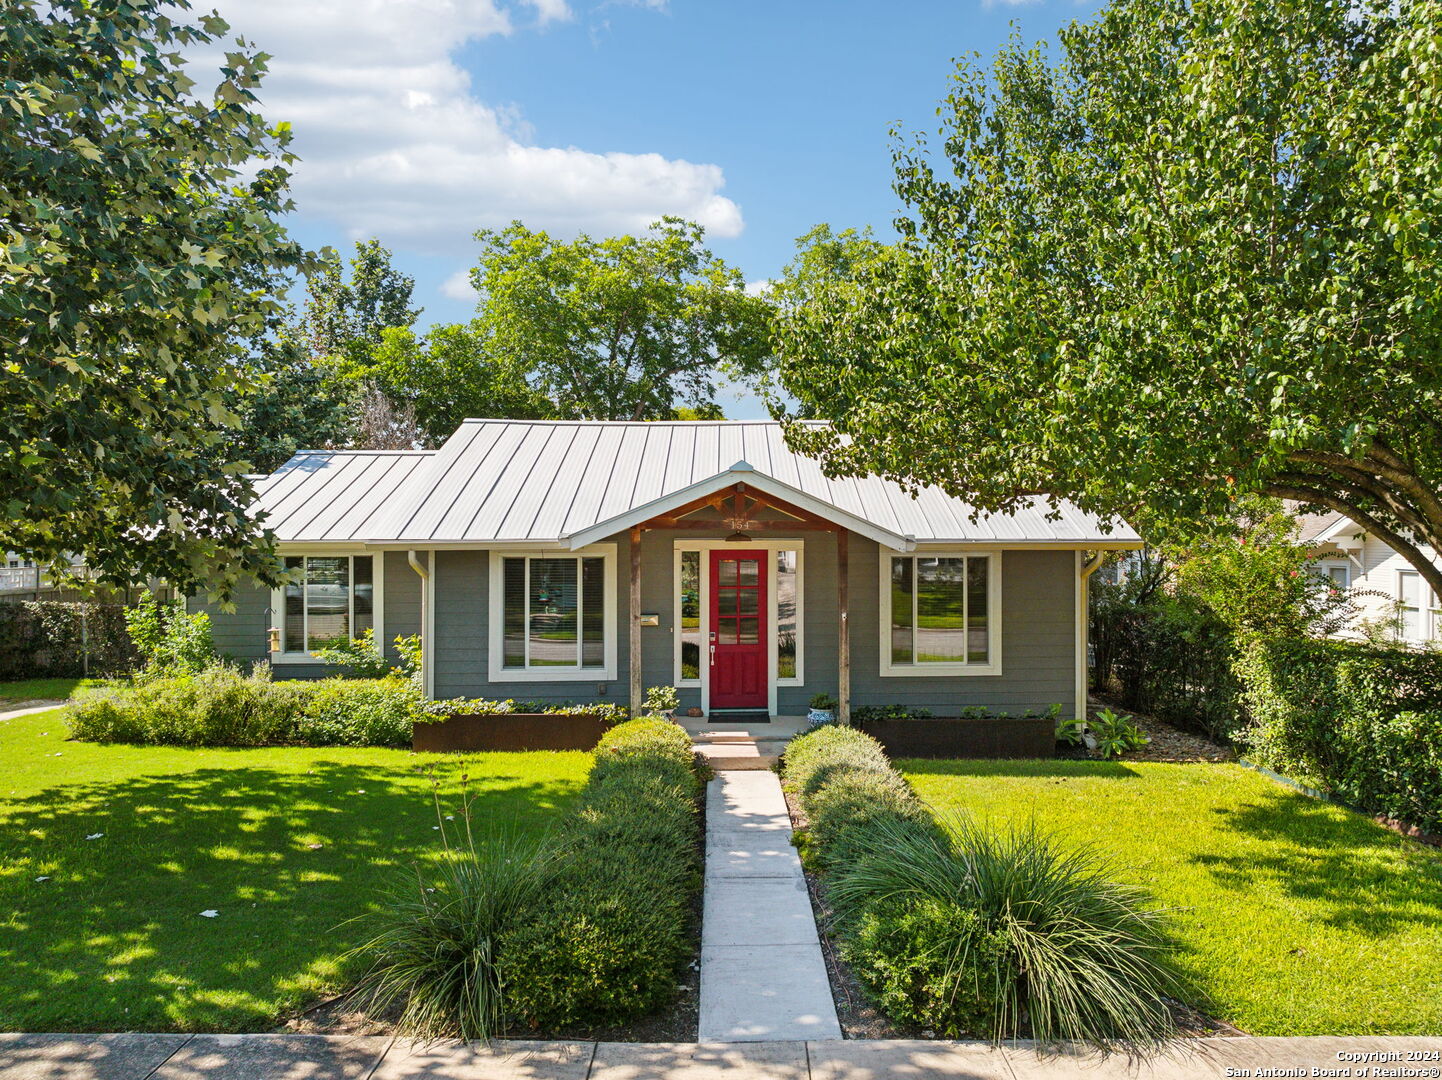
x=221, y=706
x=55, y=639
x=614, y=929
x=1170, y=658
x=1362, y=723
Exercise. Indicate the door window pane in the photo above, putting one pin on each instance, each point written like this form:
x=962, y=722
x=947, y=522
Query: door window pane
x=786, y=599
x=513, y=612
x=749, y=632
x=749, y=601
x=726, y=572
x=327, y=600
x=295, y=605
x=690, y=615
x=552, y=595
x=593, y=612
x=750, y=571
x=978, y=637
x=901, y=611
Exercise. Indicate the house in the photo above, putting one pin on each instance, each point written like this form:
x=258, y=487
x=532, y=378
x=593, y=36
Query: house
x=537, y=558
x=1384, y=584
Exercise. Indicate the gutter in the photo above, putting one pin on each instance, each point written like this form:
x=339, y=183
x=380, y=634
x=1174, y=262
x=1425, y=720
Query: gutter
x=1084, y=572
x=427, y=594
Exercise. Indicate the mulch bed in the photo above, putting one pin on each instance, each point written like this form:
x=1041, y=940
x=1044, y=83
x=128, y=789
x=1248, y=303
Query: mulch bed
x=1168, y=743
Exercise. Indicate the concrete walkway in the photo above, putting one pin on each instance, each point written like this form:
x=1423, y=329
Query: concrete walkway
x=321, y=1057
x=762, y=975
x=26, y=708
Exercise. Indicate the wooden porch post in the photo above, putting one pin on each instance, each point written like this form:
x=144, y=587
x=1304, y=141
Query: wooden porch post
x=635, y=660
x=843, y=634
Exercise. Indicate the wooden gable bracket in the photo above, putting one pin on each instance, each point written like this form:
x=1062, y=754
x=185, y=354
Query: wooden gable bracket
x=743, y=504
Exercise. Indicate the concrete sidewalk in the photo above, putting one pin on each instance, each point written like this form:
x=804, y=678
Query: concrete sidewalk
x=762, y=974
x=321, y=1057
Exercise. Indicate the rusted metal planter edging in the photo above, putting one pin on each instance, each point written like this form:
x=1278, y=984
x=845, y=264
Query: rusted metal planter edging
x=472, y=732
x=987, y=737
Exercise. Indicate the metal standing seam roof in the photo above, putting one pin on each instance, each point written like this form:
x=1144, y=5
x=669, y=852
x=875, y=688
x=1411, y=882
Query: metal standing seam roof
x=553, y=480
x=334, y=495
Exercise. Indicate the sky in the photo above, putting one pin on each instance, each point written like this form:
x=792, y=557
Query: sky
x=419, y=121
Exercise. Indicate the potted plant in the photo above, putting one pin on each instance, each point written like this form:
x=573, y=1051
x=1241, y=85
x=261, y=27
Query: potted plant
x=823, y=709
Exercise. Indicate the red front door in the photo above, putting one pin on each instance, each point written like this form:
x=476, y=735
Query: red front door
x=737, y=635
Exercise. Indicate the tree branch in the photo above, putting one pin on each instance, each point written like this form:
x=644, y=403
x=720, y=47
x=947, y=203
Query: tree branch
x=1408, y=550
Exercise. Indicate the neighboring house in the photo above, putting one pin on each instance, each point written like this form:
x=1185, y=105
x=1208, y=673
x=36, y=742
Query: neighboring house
x=537, y=558
x=1385, y=582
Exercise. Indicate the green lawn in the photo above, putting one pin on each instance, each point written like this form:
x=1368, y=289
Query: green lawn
x=1294, y=916
x=33, y=689
x=286, y=844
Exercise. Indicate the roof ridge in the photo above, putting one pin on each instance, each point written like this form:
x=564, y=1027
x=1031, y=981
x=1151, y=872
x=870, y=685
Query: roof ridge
x=629, y=423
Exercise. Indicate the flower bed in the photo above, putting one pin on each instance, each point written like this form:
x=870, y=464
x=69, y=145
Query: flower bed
x=965, y=737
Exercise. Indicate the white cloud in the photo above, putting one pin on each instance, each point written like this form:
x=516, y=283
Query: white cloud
x=759, y=288
x=551, y=10
x=458, y=286
x=394, y=145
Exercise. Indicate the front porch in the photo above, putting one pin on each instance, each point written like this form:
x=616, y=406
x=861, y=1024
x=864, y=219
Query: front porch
x=742, y=746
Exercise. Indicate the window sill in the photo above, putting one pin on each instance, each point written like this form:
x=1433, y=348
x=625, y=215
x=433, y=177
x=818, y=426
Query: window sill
x=927, y=671
x=593, y=675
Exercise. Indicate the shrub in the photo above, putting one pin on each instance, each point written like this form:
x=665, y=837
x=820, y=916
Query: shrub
x=218, y=706
x=168, y=639
x=1115, y=735
x=361, y=657
x=607, y=939
x=609, y=711
x=1003, y=934
x=347, y=712
x=1360, y=722
x=660, y=700
x=838, y=813
x=816, y=757
x=438, y=950
x=56, y=639
x=869, y=714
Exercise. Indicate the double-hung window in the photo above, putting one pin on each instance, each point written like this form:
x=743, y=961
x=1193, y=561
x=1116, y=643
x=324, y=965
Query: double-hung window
x=552, y=616
x=940, y=614
x=327, y=598
x=1420, y=622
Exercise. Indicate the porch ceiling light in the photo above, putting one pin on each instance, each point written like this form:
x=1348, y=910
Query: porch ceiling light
x=738, y=538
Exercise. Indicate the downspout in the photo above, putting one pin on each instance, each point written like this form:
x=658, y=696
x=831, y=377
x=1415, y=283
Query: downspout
x=1084, y=572
x=425, y=575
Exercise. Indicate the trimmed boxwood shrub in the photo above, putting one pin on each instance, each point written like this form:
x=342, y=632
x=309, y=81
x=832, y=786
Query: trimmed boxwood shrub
x=607, y=940
x=1359, y=722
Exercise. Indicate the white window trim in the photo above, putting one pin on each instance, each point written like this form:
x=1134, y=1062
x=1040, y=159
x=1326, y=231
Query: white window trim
x=771, y=547
x=497, y=672
x=1329, y=565
x=994, y=614
x=378, y=599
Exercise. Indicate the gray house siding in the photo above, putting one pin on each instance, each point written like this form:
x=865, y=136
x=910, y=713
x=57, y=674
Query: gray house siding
x=1038, y=643
x=242, y=635
x=1038, y=631
x=462, y=652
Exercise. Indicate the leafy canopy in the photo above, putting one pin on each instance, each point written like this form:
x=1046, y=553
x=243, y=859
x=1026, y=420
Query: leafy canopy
x=624, y=328
x=1194, y=257
x=136, y=262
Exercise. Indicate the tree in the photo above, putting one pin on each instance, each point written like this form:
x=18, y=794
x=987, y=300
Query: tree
x=1194, y=258
x=625, y=328
x=381, y=424
x=449, y=374
x=287, y=404
x=135, y=263
x=344, y=319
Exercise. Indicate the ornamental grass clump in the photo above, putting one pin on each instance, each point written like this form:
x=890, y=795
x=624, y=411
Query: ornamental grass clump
x=1003, y=934
x=438, y=950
